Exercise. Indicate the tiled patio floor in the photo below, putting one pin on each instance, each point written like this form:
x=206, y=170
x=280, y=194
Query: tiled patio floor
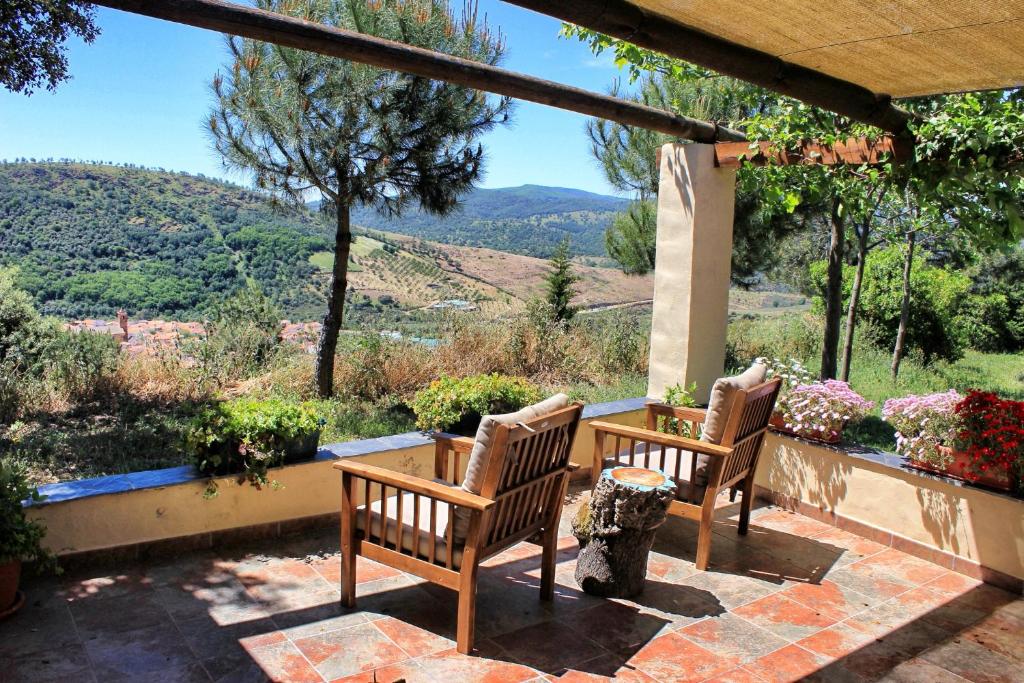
x=793, y=600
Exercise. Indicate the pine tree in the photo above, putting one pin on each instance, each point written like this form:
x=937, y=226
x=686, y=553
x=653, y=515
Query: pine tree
x=560, y=281
x=302, y=122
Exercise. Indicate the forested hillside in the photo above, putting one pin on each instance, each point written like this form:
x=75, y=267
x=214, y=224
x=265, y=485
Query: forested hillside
x=91, y=239
x=528, y=220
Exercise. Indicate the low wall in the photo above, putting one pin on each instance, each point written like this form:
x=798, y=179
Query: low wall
x=968, y=529
x=164, y=511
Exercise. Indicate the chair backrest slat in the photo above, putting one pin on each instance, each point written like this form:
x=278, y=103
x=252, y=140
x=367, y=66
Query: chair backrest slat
x=744, y=432
x=527, y=461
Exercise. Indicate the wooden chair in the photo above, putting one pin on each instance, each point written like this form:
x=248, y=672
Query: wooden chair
x=730, y=463
x=524, y=479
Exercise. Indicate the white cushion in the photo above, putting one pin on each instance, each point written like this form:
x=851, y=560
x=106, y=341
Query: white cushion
x=409, y=531
x=480, y=455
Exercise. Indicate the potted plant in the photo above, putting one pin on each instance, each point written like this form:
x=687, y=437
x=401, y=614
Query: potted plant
x=249, y=436
x=457, y=405
x=20, y=537
x=990, y=440
x=814, y=410
x=926, y=428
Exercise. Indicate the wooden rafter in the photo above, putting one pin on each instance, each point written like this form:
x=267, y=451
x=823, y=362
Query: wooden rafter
x=854, y=151
x=292, y=32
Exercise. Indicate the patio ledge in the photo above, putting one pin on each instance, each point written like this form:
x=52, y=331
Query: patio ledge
x=65, y=491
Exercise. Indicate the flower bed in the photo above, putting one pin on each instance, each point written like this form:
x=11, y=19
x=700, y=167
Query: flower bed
x=810, y=409
x=979, y=438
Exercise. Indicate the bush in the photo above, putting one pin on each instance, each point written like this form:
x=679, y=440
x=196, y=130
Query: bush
x=249, y=436
x=20, y=537
x=449, y=401
x=785, y=336
x=241, y=338
x=82, y=365
x=995, y=319
x=938, y=303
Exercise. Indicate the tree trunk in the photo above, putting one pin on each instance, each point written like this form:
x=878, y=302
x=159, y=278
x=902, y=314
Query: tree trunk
x=626, y=508
x=901, y=333
x=833, y=295
x=851, y=311
x=328, y=343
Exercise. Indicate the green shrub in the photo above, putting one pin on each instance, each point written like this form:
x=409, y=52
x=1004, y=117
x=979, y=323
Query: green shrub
x=82, y=365
x=241, y=337
x=248, y=436
x=20, y=537
x=786, y=336
x=994, y=320
x=448, y=400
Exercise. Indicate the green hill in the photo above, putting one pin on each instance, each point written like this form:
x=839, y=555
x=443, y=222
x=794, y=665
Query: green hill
x=90, y=239
x=527, y=220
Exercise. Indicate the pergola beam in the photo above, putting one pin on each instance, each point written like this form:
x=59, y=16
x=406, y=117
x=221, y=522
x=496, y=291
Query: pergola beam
x=292, y=32
x=625, y=21
x=854, y=152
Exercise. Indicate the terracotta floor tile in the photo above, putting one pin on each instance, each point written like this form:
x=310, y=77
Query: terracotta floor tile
x=671, y=658
x=122, y=613
x=1001, y=633
x=366, y=570
x=737, y=675
x=69, y=663
x=837, y=641
x=225, y=603
x=452, y=666
x=792, y=523
x=37, y=629
x=974, y=662
x=208, y=639
x=416, y=640
x=615, y=625
x=610, y=667
x=350, y=650
x=784, y=617
x=548, y=647
x=903, y=566
x=791, y=663
x=679, y=604
x=919, y=671
x=892, y=649
x=730, y=636
x=284, y=663
x=730, y=590
x=851, y=547
x=408, y=672
x=137, y=652
x=129, y=582
x=869, y=580
x=829, y=598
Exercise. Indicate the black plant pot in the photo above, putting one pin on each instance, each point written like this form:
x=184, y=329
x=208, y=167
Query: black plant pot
x=301, y=447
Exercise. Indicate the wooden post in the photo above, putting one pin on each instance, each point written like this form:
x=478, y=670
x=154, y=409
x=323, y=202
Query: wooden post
x=626, y=508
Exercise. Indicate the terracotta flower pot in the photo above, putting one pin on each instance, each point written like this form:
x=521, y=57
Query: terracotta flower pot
x=960, y=468
x=10, y=575
x=779, y=424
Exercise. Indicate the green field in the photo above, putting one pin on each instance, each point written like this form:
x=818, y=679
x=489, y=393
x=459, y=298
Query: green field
x=324, y=260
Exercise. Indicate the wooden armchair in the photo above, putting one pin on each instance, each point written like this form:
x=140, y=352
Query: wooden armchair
x=521, y=467
x=711, y=467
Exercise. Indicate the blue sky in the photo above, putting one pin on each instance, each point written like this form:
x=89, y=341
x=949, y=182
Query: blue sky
x=139, y=94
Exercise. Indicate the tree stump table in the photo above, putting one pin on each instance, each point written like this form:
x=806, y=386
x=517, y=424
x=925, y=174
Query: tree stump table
x=617, y=528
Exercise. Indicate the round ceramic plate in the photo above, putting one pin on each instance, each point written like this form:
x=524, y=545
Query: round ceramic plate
x=19, y=601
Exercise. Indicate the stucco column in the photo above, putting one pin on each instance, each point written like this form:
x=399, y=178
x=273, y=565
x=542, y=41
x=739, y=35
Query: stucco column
x=692, y=266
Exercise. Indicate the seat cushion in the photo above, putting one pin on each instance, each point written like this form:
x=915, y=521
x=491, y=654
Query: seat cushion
x=409, y=531
x=476, y=469
x=722, y=395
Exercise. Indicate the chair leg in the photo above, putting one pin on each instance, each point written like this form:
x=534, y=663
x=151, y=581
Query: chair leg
x=348, y=548
x=707, y=518
x=547, y=565
x=746, y=504
x=467, y=610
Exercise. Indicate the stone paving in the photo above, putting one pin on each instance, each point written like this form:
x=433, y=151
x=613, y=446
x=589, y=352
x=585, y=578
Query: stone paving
x=793, y=600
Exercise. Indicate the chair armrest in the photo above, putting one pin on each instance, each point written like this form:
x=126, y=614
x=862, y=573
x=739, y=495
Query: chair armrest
x=679, y=412
x=661, y=439
x=462, y=444
x=424, y=487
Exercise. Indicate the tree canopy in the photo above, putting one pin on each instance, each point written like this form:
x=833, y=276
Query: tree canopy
x=32, y=38
x=302, y=122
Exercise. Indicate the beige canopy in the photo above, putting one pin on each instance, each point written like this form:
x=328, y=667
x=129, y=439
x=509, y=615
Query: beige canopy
x=899, y=47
